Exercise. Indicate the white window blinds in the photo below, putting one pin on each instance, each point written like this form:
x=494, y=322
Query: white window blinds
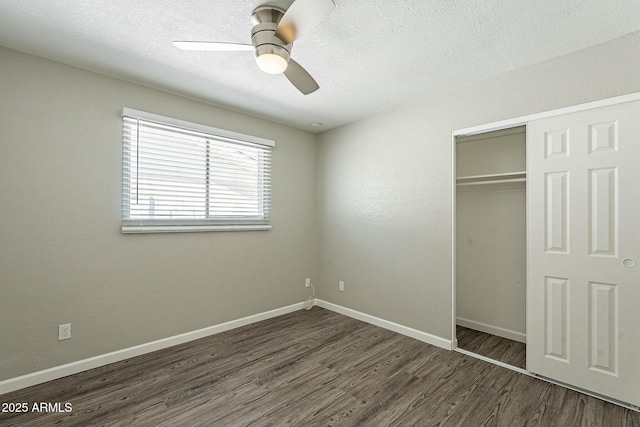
x=180, y=176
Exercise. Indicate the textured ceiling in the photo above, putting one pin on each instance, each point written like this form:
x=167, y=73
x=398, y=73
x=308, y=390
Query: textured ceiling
x=368, y=56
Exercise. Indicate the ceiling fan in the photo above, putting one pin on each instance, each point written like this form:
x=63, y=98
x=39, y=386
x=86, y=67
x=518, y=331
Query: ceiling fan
x=274, y=31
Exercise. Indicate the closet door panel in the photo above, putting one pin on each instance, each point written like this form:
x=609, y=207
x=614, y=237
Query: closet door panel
x=556, y=220
x=603, y=211
x=583, y=242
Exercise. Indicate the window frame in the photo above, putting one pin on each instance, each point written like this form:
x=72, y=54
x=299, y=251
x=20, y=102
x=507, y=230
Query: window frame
x=233, y=223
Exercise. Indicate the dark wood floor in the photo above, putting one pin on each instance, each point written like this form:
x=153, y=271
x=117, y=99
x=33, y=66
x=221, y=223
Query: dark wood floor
x=314, y=368
x=504, y=350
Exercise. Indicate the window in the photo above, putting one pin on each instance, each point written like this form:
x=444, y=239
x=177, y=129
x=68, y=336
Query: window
x=181, y=176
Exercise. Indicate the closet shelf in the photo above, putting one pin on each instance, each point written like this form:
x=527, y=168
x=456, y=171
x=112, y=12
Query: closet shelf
x=492, y=179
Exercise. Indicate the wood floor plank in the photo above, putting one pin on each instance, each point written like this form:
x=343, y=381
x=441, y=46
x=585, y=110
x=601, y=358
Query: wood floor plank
x=488, y=404
x=491, y=346
x=313, y=368
x=441, y=398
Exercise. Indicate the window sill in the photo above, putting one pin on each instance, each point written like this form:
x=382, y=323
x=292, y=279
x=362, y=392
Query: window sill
x=152, y=229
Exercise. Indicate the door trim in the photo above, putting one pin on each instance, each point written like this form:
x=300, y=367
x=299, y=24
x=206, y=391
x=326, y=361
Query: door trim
x=522, y=120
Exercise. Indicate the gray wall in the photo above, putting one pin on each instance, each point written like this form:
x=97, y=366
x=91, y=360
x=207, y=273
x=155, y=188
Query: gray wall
x=384, y=183
x=383, y=213
x=62, y=256
x=491, y=272
x=491, y=241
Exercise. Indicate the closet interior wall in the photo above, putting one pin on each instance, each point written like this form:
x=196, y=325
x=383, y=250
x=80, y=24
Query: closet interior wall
x=491, y=233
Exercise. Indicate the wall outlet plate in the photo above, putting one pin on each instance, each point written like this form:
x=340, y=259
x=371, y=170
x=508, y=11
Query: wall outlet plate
x=307, y=283
x=64, y=332
x=341, y=285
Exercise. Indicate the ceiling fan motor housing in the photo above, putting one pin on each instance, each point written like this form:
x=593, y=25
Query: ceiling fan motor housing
x=263, y=33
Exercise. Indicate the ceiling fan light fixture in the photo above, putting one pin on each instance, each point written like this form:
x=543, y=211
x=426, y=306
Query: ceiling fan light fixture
x=272, y=59
x=271, y=63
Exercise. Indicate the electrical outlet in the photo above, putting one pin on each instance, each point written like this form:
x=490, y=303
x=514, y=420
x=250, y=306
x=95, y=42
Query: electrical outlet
x=307, y=283
x=64, y=332
x=341, y=285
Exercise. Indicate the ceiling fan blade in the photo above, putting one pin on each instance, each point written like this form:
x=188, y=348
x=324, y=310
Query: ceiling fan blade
x=301, y=17
x=300, y=78
x=213, y=46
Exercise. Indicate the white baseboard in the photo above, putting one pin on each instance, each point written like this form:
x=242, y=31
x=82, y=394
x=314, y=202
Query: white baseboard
x=493, y=330
x=395, y=327
x=56, y=372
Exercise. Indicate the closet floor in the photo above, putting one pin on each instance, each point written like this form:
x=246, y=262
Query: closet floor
x=491, y=346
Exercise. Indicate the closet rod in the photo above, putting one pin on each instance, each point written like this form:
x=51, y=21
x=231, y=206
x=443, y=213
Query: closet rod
x=493, y=178
x=491, y=181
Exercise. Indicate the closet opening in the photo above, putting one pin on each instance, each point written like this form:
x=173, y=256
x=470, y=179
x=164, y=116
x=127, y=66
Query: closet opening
x=490, y=241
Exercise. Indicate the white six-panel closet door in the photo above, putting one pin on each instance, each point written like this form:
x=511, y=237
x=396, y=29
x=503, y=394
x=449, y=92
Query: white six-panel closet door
x=583, y=250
